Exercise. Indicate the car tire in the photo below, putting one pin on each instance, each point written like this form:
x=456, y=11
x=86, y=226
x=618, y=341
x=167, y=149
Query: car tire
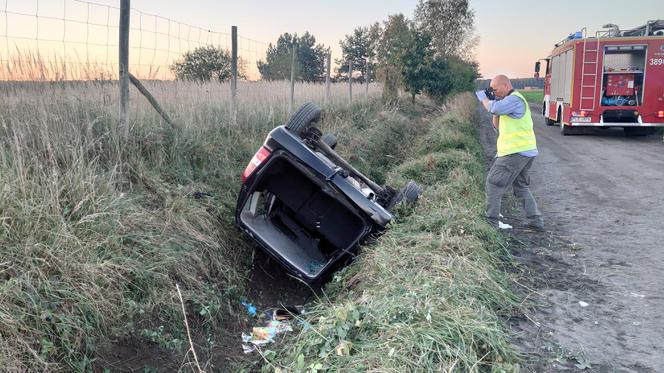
x=410, y=194
x=303, y=118
x=330, y=140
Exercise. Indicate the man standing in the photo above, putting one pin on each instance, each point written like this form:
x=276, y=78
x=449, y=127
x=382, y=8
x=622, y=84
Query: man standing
x=516, y=151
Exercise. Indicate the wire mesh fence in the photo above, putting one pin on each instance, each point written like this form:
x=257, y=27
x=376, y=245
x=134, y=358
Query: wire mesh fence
x=78, y=40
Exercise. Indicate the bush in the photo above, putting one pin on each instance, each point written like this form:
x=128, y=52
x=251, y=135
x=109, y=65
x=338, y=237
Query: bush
x=207, y=63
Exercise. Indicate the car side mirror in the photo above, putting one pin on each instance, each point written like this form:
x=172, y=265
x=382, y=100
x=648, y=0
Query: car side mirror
x=537, y=69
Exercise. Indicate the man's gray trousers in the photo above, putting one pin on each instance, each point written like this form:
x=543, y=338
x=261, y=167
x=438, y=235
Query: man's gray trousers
x=511, y=170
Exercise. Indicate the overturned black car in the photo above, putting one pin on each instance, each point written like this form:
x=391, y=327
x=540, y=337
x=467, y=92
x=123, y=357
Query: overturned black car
x=305, y=205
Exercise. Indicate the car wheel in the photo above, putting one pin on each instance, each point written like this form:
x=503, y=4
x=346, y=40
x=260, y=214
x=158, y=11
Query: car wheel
x=410, y=194
x=330, y=140
x=303, y=118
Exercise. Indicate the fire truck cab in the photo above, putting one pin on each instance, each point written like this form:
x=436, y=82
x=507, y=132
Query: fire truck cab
x=614, y=79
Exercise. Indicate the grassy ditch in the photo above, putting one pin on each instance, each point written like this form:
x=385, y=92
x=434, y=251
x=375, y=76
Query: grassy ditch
x=94, y=235
x=429, y=294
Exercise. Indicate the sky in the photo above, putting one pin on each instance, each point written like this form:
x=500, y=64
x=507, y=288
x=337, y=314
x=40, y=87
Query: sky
x=513, y=34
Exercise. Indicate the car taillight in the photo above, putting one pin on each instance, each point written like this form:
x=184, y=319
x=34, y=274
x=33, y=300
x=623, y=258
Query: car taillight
x=660, y=114
x=583, y=113
x=258, y=158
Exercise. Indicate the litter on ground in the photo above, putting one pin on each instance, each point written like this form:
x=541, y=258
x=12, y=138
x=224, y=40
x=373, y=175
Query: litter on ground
x=278, y=323
x=263, y=335
x=251, y=309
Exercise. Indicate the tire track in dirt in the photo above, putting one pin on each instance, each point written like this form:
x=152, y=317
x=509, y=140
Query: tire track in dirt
x=601, y=196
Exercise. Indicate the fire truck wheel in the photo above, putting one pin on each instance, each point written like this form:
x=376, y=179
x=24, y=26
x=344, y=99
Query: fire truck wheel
x=566, y=130
x=549, y=122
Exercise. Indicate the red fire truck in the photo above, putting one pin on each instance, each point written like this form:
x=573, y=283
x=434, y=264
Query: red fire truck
x=615, y=79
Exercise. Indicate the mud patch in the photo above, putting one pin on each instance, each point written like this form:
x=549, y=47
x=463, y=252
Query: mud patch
x=216, y=352
x=268, y=286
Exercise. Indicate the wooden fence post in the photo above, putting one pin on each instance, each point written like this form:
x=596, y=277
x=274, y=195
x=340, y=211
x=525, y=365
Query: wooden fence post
x=350, y=81
x=292, y=80
x=233, y=75
x=123, y=128
x=327, y=77
x=366, y=71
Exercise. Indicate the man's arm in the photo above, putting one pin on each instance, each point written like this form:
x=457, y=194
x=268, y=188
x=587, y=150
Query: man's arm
x=496, y=121
x=510, y=105
x=481, y=96
x=487, y=104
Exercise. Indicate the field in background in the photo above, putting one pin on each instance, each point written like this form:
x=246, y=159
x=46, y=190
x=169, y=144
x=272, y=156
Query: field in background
x=535, y=96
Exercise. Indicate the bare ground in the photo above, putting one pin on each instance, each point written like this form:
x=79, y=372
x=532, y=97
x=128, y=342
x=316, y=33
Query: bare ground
x=268, y=286
x=594, y=279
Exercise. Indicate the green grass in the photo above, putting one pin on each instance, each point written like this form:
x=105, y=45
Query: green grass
x=430, y=293
x=95, y=235
x=534, y=96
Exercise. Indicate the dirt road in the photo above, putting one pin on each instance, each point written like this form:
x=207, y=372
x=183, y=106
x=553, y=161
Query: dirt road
x=597, y=274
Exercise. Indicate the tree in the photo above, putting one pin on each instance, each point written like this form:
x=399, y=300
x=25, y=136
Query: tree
x=394, y=42
x=417, y=63
x=450, y=74
x=450, y=23
x=310, y=59
x=207, y=63
x=462, y=73
x=360, y=48
x=408, y=58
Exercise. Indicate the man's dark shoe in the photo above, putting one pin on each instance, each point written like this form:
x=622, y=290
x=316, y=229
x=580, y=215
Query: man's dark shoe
x=537, y=226
x=492, y=222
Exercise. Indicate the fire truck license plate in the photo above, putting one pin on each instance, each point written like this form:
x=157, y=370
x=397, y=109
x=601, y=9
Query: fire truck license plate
x=581, y=119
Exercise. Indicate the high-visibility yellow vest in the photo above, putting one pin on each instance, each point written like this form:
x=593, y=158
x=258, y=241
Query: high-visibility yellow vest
x=516, y=135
